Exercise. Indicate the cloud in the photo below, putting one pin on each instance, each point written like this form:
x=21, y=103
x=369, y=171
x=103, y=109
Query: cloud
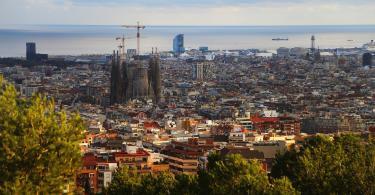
x=205, y=3
x=187, y=12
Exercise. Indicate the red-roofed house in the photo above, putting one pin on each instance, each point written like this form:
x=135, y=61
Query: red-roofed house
x=151, y=126
x=263, y=124
x=138, y=159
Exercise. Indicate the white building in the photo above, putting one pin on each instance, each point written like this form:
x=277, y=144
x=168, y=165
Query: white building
x=29, y=90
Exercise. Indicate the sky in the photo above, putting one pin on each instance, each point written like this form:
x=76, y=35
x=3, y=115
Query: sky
x=188, y=12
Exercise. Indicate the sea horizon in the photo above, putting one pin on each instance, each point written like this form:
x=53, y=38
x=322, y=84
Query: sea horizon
x=78, y=39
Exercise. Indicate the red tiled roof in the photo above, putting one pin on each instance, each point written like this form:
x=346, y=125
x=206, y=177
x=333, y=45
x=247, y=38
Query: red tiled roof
x=257, y=119
x=85, y=171
x=151, y=125
x=138, y=153
x=89, y=159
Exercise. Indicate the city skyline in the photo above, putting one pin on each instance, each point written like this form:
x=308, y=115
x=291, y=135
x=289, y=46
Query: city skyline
x=191, y=97
x=209, y=12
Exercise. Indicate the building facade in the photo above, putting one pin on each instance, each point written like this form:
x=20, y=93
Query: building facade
x=31, y=54
x=30, y=51
x=182, y=157
x=134, y=80
x=367, y=59
x=178, y=44
x=202, y=70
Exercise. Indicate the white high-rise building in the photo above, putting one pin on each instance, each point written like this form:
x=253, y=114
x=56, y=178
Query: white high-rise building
x=198, y=71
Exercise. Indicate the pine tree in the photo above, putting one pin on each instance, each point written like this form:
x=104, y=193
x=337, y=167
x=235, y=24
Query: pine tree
x=344, y=165
x=39, y=146
x=225, y=175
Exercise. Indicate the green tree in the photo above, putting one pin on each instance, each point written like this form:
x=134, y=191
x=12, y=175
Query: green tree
x=161, y=183
x=224, y=175
x=344, y=165
x=282, y=186
x=39, y=146
x=125, y=181
x=233, y=174
x=186, y=184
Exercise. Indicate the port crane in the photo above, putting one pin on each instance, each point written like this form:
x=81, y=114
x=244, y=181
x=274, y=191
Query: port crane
x=138, y=27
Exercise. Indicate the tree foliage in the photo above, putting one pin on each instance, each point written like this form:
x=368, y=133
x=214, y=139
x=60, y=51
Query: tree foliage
x=233, y=174
x=224, y=175
x=322, y=165
x=39, y=151
x=127, y=181
x=344, y=165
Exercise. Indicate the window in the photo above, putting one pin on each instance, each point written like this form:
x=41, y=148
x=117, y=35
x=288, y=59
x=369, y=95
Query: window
x=102, y=167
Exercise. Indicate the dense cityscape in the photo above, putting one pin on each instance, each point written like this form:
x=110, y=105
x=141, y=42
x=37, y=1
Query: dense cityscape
x=198, y=97
x=168, y=111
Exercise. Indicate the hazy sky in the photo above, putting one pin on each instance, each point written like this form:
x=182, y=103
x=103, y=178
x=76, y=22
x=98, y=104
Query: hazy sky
x=188, y=12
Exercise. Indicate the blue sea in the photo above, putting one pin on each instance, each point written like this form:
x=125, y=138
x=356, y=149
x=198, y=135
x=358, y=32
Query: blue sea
x=100, y=39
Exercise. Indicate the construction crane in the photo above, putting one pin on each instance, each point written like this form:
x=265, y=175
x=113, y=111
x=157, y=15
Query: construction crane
x=121, y=46
x=138, y=27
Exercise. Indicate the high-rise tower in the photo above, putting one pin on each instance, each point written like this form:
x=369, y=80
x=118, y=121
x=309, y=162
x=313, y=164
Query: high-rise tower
x=30, y=51
x=313, y=43
x=367, y=59
x=202, y=70
x=178, y=44
x=314, y=53
x=198, y=71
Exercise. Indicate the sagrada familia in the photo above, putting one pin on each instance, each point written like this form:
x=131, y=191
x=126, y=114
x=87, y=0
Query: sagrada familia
x=134, y=79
